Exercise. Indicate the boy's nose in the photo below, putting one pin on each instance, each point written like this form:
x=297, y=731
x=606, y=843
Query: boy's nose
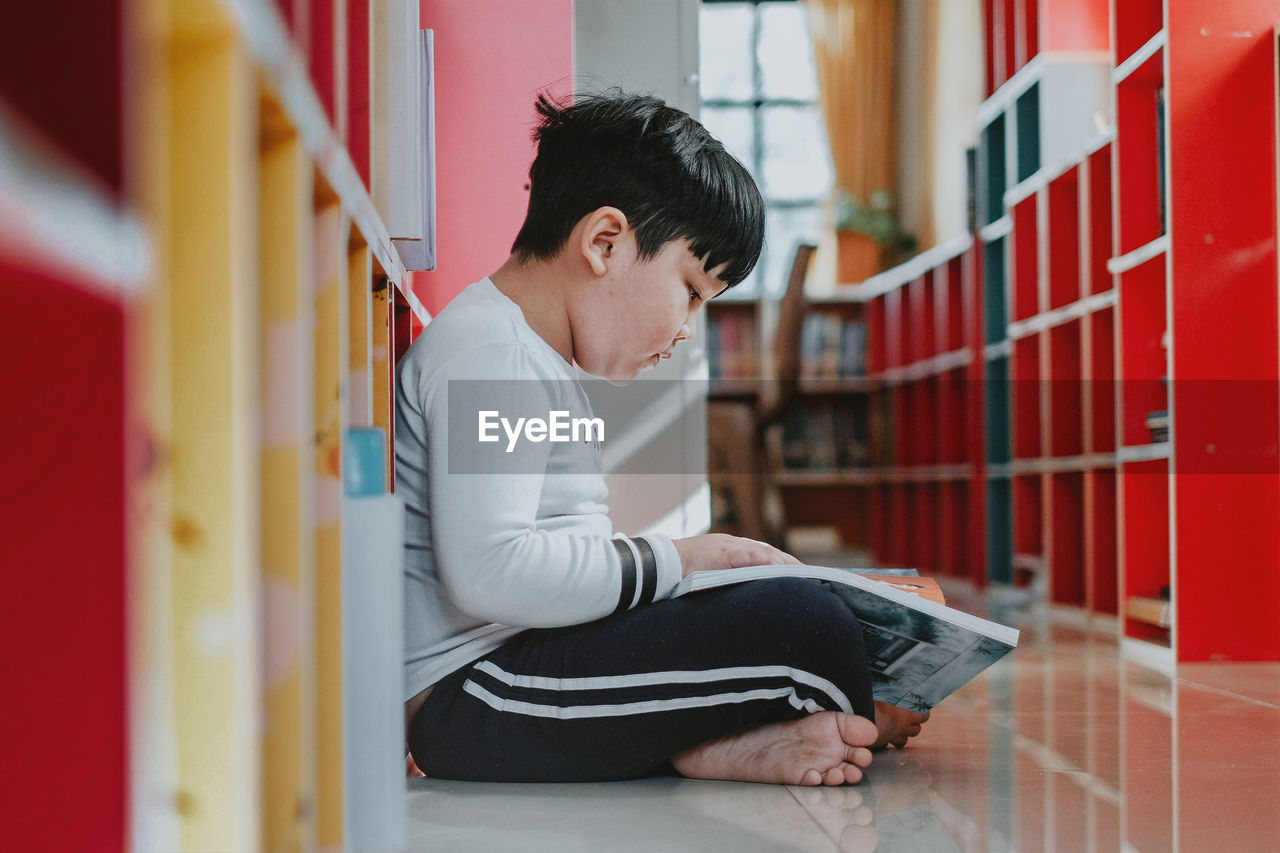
x=685, y=333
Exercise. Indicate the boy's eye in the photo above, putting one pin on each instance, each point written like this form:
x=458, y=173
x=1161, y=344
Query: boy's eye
x=694, y=296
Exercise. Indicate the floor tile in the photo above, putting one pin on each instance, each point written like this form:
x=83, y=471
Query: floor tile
x=1063, y=746
x=646, y=814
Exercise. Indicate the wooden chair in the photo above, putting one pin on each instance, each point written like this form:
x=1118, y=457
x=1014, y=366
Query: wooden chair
x=738, y=428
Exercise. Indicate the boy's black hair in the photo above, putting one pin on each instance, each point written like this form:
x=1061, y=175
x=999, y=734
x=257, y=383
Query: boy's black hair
x=653, y=162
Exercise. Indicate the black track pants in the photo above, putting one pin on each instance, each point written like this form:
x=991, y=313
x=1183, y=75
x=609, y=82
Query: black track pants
x=618, y=697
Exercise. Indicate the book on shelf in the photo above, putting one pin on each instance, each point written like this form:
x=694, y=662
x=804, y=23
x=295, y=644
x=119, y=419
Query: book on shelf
x=853, y=444
x=1158, y=425
x=823, y=436
x=832, y=347
x=919, y=650
x=732, y=346
x=795, y=441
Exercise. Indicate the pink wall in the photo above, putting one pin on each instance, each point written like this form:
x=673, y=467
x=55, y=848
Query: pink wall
x=1075, y=25
x=492, y=58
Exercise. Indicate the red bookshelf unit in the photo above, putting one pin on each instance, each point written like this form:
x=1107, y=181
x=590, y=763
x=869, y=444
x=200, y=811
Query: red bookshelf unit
x=885, y=439
x=1224, y=358
x=1129, y=288
x=1084, y=399
x=925, y=357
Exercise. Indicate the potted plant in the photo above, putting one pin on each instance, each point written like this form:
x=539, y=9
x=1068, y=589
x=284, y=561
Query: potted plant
x=868, y=235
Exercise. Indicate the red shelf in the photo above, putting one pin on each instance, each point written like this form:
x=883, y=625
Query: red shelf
x=1028, y=521
x=1010, y=46
x=1101, y=385
x=1066, y=399
x=877, y=345
x=1025, y=260
x=1098, y=190
x=1028, y=30
x=1066, y=556
x=897, y=331
x=1139, y=161
x=1224, y=320
x=1024, y=395
x=53, y=463
x=951, y=282
x=321, y=52
x=1145, y=487
x=1063, y=234
x=954, y=445
x=1101, y=560
x=358, y=58
x=1144, y=362
x=1153, y=255
x=952, y=547
x=1136, y=23
x=922, y=543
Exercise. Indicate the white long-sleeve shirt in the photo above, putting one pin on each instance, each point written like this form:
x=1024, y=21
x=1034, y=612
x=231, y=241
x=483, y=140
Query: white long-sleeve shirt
x=497, y=541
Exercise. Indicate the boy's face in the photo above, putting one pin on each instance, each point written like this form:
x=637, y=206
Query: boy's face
x=640, y=309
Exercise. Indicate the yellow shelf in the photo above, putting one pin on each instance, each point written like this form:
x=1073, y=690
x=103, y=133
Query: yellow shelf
x=262, y=334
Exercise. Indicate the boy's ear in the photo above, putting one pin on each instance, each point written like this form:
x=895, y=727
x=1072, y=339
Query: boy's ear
x=603, y=230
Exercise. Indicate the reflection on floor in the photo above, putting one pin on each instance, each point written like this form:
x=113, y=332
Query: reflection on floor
x=1063, y=746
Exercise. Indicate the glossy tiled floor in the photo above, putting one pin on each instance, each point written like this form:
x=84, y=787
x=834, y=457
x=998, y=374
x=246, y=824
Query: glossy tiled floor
x=1063, y=746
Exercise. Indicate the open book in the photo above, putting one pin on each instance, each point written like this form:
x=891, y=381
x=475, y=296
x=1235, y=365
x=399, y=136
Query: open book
x=919, y=650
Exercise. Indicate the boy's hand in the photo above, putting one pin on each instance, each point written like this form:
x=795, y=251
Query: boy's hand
x=721, y=551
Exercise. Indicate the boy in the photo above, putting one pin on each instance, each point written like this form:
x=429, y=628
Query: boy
x=539, y=645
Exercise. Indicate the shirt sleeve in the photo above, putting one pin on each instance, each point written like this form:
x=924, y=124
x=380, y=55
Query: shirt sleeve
x=493, y=558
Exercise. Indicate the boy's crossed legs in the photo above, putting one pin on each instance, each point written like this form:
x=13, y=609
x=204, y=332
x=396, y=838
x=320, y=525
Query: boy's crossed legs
x=763, y=682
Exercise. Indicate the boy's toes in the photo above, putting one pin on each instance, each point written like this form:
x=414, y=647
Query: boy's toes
x=858, y=755
x=857, y=731
x=834, y=776
x=811, y=778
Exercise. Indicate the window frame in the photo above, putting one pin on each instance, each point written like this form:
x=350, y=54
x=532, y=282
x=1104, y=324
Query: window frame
x=758, y=104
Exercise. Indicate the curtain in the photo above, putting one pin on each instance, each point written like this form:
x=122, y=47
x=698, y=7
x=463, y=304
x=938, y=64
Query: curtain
x=854, y=49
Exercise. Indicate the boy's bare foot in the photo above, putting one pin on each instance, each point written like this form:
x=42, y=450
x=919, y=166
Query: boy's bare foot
x=826, y=748
x=894, y=725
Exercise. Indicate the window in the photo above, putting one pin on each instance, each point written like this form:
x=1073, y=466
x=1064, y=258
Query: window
x=760, y=97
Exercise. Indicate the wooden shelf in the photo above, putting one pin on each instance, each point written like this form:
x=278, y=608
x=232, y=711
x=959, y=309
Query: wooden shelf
x=928, y=474
x=834, y=477
x=839, y=387
x=734, y=389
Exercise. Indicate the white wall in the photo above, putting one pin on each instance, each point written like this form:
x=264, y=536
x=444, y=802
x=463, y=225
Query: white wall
x=938, y=87
x=652, y=46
